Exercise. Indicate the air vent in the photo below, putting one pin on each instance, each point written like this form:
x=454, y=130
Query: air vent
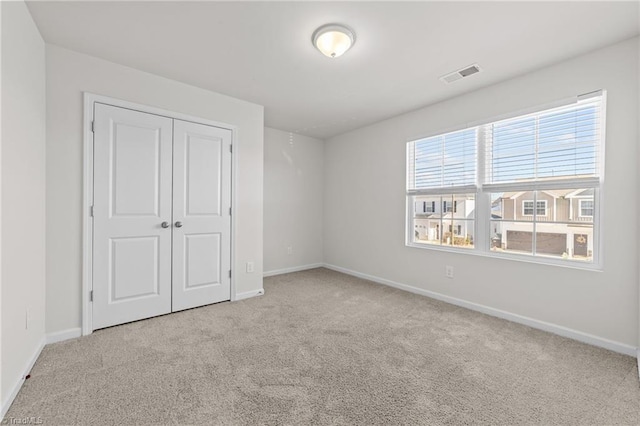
x=460, y=74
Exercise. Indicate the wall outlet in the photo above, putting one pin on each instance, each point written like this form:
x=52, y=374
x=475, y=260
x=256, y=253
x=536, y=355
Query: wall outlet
x=448, y=271
x=250, y=267
x=26, y=318
x=289, y=250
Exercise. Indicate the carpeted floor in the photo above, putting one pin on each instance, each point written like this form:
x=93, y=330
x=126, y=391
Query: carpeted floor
x=326, y=348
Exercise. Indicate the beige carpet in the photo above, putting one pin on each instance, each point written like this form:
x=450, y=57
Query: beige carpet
x=325, y=348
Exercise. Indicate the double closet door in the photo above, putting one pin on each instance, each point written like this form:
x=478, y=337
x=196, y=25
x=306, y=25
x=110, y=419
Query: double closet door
x=161, y=215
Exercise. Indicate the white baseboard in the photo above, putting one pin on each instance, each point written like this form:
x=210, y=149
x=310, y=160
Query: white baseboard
x=16, y=388
x=590, y=339
x=292, y=269
x=60, y=336
x=248, y=294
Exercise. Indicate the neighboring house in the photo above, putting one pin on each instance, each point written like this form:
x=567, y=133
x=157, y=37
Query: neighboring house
x=564, y=222
x=448, y=219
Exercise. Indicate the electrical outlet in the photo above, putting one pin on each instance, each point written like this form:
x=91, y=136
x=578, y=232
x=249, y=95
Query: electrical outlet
x=249, y=267
x=26, y=318
x=289, y=250
x=448, y=271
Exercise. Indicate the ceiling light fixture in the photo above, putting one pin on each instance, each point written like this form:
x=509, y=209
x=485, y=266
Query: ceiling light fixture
x=333, y=39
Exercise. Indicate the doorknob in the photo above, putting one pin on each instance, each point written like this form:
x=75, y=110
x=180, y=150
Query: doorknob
x=165, y=224
x=178, y=224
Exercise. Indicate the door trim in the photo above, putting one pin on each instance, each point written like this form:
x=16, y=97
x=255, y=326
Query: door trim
x=90, y=100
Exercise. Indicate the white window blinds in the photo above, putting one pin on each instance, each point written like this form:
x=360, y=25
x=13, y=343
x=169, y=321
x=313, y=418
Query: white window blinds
x=557, y=144
x=443, y=161
x=549, y=148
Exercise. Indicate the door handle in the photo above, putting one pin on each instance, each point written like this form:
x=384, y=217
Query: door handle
x=178, y=224
x=165, y=224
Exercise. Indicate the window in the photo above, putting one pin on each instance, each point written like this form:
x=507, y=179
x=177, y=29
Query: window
x=444, y=162
x=586, y=208
x=513, y=187
x=425, y=207
x=458, y=227
x=541, y=207
x=450, y=207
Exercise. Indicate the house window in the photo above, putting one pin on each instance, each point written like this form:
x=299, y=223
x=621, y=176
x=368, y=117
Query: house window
x=541, y=207
x=450, y=206
x=514, y=186
x=425, y=207
x=586, y=208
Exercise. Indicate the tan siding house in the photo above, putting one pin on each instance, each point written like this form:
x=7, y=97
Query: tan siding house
x=564, y=223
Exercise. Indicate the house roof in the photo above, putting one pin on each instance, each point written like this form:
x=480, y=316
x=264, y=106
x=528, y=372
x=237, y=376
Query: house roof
x=555, y=193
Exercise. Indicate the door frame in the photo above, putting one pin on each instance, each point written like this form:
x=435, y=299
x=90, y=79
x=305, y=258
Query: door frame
x=90, y=99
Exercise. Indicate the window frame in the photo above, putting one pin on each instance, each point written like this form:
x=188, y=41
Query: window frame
x=592, y=208
x=429, y=207
x=449, y=207
x=535, y=208
x=483, y=216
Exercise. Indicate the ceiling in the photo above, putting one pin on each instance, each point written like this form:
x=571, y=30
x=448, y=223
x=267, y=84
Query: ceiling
x=261, y=51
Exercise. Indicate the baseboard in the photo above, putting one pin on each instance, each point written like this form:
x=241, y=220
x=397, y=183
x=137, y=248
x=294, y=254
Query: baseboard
x=248, y=294
x=292, y=269
x=16, y=388
x=531, y=322
x=60, y=336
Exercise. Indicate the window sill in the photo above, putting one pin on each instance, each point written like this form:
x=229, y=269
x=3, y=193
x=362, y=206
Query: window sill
x=571, y=264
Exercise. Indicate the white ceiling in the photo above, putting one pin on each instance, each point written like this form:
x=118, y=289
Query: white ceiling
x=261, y=51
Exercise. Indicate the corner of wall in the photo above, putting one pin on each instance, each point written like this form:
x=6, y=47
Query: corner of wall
x=2, y=411
x=22, y=198
x=293, y=202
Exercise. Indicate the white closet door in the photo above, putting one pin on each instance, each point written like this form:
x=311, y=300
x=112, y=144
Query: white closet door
x=201, y=215
x=132, y=198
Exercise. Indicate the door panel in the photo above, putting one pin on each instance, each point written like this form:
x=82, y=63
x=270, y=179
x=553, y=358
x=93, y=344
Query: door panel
x=201, y=203
x=128, y=256
x=203, y=180
x=580, y=245
x=202, y=264
x=132, y=197
x=134, y=178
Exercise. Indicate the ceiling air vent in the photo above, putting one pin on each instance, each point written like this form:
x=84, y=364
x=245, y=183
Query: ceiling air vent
x=460, y=74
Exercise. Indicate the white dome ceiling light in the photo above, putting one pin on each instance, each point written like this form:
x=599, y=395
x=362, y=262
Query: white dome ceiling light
x=333, y=39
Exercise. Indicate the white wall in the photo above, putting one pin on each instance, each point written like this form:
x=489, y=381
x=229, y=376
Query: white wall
x=68, y=75
x=22, y=195
x=365, y=171
x=2, y=397
x=293, y=194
